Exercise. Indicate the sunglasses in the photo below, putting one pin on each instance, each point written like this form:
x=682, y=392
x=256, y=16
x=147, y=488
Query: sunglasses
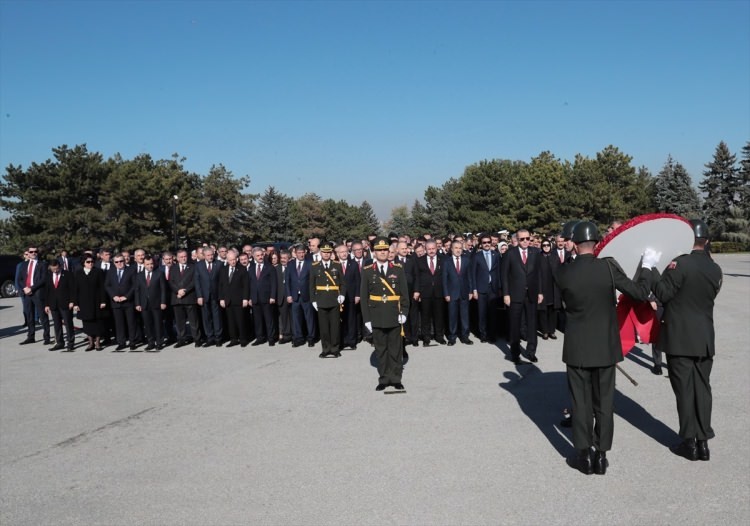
x=523, y=238
x=32, y=251
x=486, y=242
x=119, y=261
x=88, y=261
x=545, y=244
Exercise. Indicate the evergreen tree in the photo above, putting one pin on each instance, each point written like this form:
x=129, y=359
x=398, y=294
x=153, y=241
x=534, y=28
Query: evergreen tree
x=225, y=214
x=370, y=219
x=744, y=181
x=400, y=222
x=420, y=219
x=674, y=192
x=720, y=185
x=273, y=219
x=308, y=217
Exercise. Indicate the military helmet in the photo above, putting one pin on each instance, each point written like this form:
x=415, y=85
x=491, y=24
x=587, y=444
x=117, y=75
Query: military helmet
x=585, y=231
x=700, y=229
x=567, y=230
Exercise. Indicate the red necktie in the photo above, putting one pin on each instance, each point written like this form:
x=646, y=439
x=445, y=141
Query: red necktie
x=432, y=265
x=30, y=273
x=148, y=279
x=57, y=279
x=562, y=257
x=523, y=256
x=257, y=272
x=458, y=265
x=166, y=273
x=343, y=267
x=209, y=268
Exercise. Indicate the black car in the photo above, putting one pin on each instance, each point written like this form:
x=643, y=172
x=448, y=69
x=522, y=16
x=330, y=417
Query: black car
x=8, y=266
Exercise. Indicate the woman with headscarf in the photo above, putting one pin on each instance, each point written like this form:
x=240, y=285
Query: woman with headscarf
x=89, y=300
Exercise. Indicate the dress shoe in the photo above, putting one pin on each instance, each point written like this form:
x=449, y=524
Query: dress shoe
x=441, y=341
x=27, y=341
x=703, y=451
x=179, y=344
x=154, y=349
x=323, y=355
x=381, y=387
x=208, y=344
x=258, y=342
x=57, y=347
x=516, y=359
x=271, y=344
x=159, y=346
x=120, y=347
x=90, y=347
x=284, y=340
x=399, y=387
x=69, y=349
x=544, y=336
x=552, y=336
x=451, y=343
x=297, y=344
x=426, y=343
x=244, y=344
x=133, y=347
x=233, y=343
x=656, y=369
x=219, y=344
x=336, y=354
x=600, y=462
x=585, y=464
x=47, y=341
x=467, y=341
x=198, y=344
x=687, y=449
x=311, y=344
x=533, y=358
x=150, y=347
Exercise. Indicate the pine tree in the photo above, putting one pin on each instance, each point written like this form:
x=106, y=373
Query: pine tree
x=674, y=192
x=273, y=222
x=744, y=181
x=720, y=184
x=370, y=218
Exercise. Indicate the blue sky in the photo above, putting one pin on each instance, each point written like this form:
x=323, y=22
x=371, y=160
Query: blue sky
x=373, y=100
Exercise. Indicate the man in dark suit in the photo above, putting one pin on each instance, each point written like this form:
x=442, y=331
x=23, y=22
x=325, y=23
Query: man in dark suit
x=58, y=302
x=428, y=291
x=207, y=296
x=33, y=277
x=166, y=266
x=458, y=288
x=351, y=275
x=409, y=264
x=362, y=259
x=298, y=295
x=68, y=263
x=284, y=308
x=688, y=289
x=184, y=301
x=234, y=297
x=151, y=301
x=486, y=272
x=120, y=287
x=592, y=341
x=521, y=282
x=263, y=289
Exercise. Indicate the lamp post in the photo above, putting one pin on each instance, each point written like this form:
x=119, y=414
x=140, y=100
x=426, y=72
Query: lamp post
x=175, y=198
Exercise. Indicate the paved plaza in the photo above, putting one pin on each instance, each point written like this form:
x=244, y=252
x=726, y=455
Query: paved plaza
x=278, y=436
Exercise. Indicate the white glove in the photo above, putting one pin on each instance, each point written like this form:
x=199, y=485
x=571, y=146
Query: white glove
x=401, y=319
x=368, y=325
x=315, y=305
x=650, y=258
x=340, y=299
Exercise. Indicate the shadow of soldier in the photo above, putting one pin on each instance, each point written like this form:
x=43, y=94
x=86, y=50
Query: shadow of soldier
x=635, y=415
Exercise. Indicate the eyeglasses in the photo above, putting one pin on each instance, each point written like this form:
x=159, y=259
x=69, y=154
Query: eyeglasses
x=523, y=238
x=545, y=244
x=486, y=242
x=119, y=261
x=88, y=261
x=32, y=251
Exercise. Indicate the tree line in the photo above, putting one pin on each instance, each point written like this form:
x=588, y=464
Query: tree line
x=79, y=199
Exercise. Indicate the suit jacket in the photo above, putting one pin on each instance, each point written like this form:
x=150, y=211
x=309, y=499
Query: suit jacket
x=352, y=278
x=207, y=285
x=123, y=287
x=234, y=292
x=549, y=265
x=592, y=334
x=410, y=269
x=427, y=284
x=153, y=295
x=39, y=278
x=458, y=286
x=263, y=288
x=101, y=267
x=186, y=281
x=280, y=284
x=687, y=289
x=61, y=296
x=486, y=279
x=298, y=287
x=519, y=280
x=73, y=263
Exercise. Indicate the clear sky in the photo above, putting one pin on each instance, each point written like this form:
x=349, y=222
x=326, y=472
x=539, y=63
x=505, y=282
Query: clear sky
x=373, y=100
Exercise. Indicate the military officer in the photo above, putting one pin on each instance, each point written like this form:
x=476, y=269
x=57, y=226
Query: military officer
x=687, y=289
x=591, y=348
x=327, y=290
x=385, y=302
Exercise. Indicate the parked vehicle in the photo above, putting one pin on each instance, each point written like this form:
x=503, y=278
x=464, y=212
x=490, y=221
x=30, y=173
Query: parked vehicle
x=8, y=266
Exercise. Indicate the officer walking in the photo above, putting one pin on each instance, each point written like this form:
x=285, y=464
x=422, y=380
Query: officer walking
x=327, y=291
x=591, y=348
x=687, y=289
x=385, y=302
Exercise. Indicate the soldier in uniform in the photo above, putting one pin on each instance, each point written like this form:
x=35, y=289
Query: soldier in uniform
x=327, y=290
x=385, y=302
x=591, y=348
x=687, y=289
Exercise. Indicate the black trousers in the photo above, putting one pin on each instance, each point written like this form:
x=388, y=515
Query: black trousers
x=458, y=314
x=152, y=325
x=388, y=353
x=34, y=304
x=124, y=315
x=517, y=309
x=412, y=322
x=329, y=325
x=547, y=316
x=265, y=326
x=592, y=392
x=348, y=324
x=62, y=317
x=487, y=316
x=189, y=313
x=236, y=324
x=211, y=316
x=303, y=314
x=690, y=379
x=285, y=319
x=431, y=311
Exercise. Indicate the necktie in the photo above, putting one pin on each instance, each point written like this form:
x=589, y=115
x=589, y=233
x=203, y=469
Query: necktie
x=562, y=256
x=57, y=279
x=257, y=271
x=105, y=266
x=65, y=263
x=182, y=269
x=458, y=265
x=119, y=276
x=523, y=256
x=299, y=267
x=343, y=267
x=148, y=279
x=209, y=268
x=140, y=268
x=382, y=270
x=166, y=273
x=432, y=265
x=30, y=273
x=488, y=259
x=231, y=270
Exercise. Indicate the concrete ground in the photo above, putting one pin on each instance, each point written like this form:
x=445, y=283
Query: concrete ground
x=278, y=436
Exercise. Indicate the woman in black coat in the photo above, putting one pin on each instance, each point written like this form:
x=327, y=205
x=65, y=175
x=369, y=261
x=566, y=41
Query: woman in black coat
x=546, y=314
x=89, y=300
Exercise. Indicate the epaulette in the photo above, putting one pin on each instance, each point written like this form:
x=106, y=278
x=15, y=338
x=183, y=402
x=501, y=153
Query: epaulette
x=316, y=263
x=396, y=265
x=369, y=266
